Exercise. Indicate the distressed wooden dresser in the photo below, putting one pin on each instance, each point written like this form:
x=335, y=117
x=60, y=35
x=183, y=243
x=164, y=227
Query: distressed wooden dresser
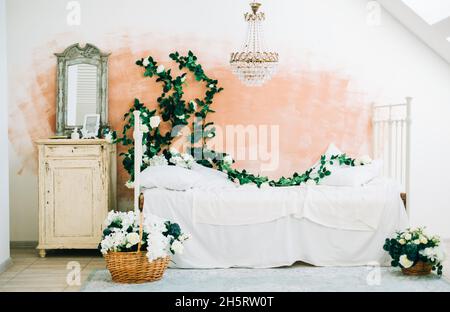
x=77, y=187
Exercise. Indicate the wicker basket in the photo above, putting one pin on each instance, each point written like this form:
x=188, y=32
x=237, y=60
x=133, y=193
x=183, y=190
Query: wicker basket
x=134, y=267
x=420, y=268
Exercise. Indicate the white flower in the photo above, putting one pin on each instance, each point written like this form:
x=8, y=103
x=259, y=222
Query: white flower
x=157, y=246
x=194, y=104
x=228, y=160
x=423, y=240
x=155, y=121
x=407, y=236
x=146, y=62
x=363, y=160
x=129, y=184
x=132, y=239
x=183, y=79
x=416, y=241
x=183, y=237
x=144, y=128
x=211, y=85
x=144, y=114
x=433, y=254
x=405, y=262
x=158, y=160
x=402, y=241
x=160, y=69
x=109, y=138
x=311, y=182
x=181, y=116
x=177, y=247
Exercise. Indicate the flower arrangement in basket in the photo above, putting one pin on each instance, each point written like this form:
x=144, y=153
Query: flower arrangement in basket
x=138, y=250
x=415, y=252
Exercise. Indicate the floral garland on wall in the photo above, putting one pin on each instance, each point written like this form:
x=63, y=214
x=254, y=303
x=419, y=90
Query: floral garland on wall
x=173, y=109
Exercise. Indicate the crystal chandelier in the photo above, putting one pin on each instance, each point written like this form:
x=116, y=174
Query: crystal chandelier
x=254, y=65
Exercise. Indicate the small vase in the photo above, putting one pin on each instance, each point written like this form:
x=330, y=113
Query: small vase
x=418, y=269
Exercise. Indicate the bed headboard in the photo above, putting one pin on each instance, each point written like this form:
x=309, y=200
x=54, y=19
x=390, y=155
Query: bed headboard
x=392, y=139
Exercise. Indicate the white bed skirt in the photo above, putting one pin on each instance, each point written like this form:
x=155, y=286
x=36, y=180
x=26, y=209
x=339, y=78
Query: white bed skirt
x=278, y=243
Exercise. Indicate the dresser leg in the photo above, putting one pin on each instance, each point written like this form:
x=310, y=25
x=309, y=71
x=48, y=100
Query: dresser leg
x=42, y=253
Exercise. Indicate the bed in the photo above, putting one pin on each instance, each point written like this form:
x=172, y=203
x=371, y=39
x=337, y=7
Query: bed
x=280, y=240
x=272, y=227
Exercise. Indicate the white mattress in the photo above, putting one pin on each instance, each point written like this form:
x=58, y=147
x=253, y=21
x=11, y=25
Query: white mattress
x=280, y=242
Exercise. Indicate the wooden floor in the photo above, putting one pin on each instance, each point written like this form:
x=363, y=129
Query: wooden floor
x=31, y=273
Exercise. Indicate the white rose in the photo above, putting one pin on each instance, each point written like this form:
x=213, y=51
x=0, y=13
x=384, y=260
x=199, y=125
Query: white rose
x=160, y=69
x=194, y=104
x=405, y=262
x=144, y=128
x=184, y=237
x=423, y=240
x=146, y=62
x=228, y=160
x=181, y=116
x=133, y=238
x=311, y=182
x=407, y=236
x=109, y=137
x=402, y=241
x=211, y=85
x=155, y=121
x=177, y=247
x=129, y=184
x=416, y=241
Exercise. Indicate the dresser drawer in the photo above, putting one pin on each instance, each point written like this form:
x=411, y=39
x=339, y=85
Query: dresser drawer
x=72, y=151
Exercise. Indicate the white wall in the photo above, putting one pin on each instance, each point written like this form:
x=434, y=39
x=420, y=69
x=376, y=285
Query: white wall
x=4, y=176
x=386, y=63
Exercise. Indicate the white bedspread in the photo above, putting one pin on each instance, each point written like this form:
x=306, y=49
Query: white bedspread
x=287, y=239
x=349, y=208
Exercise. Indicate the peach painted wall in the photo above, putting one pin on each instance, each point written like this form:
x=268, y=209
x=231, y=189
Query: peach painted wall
x=333, y=65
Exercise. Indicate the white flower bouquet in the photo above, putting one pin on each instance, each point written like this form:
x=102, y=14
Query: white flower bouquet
x=415, y=252
x=160, y=238
x=139, y=251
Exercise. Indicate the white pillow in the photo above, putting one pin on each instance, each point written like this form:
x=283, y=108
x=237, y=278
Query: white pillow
x=332, y=150
x=212, y=178
x=353, y=176
x=169, y=177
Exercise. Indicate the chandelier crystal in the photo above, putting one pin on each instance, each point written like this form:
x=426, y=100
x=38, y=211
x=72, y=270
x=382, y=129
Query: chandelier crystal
x=254, y=65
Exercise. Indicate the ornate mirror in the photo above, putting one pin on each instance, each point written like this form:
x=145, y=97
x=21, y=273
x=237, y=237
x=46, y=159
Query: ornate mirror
x=82, y=87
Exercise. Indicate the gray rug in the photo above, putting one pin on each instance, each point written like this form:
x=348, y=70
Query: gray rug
x=292, y=279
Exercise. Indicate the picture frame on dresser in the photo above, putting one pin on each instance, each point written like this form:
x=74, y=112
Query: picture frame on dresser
x=91, y=126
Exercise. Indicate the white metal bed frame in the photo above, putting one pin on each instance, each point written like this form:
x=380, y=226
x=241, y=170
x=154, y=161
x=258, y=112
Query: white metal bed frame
x=391, y=143
x=392, y=140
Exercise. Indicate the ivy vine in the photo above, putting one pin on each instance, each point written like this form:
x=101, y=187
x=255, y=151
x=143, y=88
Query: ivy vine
x=175, y=110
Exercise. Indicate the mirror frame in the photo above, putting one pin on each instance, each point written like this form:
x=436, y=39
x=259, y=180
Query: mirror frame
x=74, y=55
